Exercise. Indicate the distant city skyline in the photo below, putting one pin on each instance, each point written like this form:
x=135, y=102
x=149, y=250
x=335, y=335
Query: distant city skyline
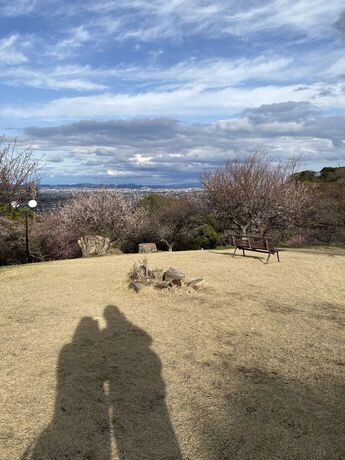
x=156, y=92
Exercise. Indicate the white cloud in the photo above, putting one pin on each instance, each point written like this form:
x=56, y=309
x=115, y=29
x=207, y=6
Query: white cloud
x=119, y=173
x=9, y=51
x=17, y=7
x=52, y=78
x=76, y=37
x=314, y=17
x=337, y=68
x=209, y=73
x=185, y=101
x=141, y=159
x=159, y=19
x=202, y=73
x=168, y=148
x=212, y=72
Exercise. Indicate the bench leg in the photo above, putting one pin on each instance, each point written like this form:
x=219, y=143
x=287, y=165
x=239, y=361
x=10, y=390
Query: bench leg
x=244, y=254
x=233, y=255
x=278, y=256
x=269, y=255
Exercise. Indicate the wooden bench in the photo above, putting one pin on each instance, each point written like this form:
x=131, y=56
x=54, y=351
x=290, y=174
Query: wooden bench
x=255, y=243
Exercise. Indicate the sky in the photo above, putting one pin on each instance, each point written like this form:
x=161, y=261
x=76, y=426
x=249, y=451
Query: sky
x=159, y=92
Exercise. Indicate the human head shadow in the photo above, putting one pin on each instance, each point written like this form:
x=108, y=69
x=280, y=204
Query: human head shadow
x=109, y=383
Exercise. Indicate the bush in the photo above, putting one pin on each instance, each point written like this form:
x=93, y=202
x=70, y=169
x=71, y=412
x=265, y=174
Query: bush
x=142, y=273
x=51, y=239
x=205, y=236
x=12, y=242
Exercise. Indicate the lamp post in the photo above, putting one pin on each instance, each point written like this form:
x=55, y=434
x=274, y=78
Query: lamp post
x=30, y=205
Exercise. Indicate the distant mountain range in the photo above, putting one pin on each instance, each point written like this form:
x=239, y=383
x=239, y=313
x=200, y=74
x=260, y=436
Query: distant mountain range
x=123, y=186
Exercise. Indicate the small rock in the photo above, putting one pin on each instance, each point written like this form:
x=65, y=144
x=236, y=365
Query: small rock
x=137, y=286
x=194, y=283
x=161, y=285
x=147, y=248
x=173, y=275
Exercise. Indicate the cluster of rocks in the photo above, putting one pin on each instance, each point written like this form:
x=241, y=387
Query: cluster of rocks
x=97, y=245
x=142, y=277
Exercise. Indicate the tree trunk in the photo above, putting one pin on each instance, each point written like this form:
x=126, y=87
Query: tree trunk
x=263, y=231
x=244, y=229
x=170, y=245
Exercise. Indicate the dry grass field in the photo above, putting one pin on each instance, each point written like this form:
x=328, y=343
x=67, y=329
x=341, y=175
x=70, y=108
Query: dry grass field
x=252, y=366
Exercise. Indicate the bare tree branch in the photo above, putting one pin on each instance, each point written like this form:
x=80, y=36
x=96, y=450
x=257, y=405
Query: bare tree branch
x=256, y=195
x=18, y=172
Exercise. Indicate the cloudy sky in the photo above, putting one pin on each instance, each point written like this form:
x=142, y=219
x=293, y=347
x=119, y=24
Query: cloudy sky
x=157, y=91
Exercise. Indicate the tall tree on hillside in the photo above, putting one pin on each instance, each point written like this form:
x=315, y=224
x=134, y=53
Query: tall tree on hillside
x=256, y=194
x=328, y=219
x=18, y=170
x=170, y=217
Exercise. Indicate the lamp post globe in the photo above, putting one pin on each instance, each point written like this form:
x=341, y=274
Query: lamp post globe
x=32, y=204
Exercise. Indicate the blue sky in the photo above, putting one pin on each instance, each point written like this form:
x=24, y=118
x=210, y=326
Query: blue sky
x=157, y=92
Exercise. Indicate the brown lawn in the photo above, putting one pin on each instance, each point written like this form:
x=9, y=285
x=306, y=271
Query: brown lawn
x=250, y=367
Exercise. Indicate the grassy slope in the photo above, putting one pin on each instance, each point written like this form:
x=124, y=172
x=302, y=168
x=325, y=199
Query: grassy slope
x=252, y=366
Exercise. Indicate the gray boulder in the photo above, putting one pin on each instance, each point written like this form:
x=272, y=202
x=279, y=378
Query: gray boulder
x=147, y=248
x=174, y=276
x=138, y=286
x=93, y=245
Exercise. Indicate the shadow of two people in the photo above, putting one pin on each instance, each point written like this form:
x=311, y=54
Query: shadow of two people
x=109, y=386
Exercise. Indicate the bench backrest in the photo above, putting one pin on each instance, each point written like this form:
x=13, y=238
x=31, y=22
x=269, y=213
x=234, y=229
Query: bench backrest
x=253, y=242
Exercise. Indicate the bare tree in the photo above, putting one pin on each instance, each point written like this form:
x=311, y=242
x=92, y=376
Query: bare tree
x=99, y=212
x=102, y=212
x=171, y=219
x=256, y=195
x=18, y=170
x=328, y=219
